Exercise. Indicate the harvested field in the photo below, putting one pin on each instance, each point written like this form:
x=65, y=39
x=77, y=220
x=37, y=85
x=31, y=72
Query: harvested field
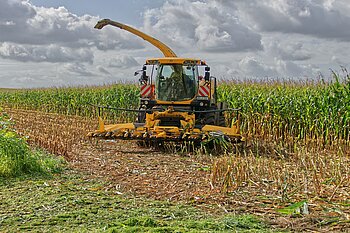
x=193, y=178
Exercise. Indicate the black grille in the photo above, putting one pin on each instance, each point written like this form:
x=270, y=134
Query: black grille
x=170, y=121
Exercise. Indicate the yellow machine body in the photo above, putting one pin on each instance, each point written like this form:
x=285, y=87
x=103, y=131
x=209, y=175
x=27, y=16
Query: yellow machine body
x=153, y=130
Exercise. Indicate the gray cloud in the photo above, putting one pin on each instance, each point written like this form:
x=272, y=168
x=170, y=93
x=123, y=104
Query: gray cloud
x=321, y=18
x=78, y=69
x=293, y=51
x=103, y=70
x=290, y=69
x=123, y=61
x=251, y=66
x=254, y=67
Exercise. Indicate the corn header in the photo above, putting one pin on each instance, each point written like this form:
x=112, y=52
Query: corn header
x=178, y=101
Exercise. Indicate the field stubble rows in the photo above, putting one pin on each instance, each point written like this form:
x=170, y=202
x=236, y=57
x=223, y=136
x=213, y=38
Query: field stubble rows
x=261, y=179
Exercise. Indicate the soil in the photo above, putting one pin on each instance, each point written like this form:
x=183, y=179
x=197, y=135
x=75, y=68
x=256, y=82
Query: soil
x=144, y=171
x=180, y=177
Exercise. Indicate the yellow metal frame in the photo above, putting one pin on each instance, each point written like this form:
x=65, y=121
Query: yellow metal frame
x=175, y=60
x=152, y=130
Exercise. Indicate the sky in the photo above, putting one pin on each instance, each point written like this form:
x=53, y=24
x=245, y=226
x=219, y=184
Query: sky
x=52, y=43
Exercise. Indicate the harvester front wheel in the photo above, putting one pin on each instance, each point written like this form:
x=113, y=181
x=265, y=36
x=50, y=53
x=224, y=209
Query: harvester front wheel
x=221, y=120
x=141, y=117
x=215, y=119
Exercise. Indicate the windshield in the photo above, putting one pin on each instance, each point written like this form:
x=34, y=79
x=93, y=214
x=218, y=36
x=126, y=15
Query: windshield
x=176, y=82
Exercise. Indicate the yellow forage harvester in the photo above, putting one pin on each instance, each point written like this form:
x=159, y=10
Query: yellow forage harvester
x=176, y=103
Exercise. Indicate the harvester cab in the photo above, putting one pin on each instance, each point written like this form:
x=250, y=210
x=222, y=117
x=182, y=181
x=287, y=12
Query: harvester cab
x=176, y=83
x=178, y=100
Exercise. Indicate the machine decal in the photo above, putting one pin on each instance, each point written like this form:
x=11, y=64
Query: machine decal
x=203, y=91
x=146, y=90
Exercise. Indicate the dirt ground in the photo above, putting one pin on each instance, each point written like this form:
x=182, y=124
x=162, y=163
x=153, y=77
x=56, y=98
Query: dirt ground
x=154, y=174
x=144, y=171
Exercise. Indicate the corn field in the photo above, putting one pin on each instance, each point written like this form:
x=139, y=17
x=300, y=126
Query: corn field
x=74, y=101
x=289, y=111
x=309, y=111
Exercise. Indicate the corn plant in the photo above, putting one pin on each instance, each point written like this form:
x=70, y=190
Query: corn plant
x=306, y=112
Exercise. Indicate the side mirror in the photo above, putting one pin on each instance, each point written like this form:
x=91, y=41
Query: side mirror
x=207, y=74
x=137, y=72
x=144, y=76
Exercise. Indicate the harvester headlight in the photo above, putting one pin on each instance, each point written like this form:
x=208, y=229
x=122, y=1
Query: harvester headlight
x=146, y=102
x=201, y=104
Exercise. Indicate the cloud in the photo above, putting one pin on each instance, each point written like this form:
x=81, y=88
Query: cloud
x=38, y=25
x=103, y=70
x=290, y=69
x=318, y=18
x=251, y=66
x=51, y=53
x=286, y=50
x=275, y=38
x=208, y=26
x=31, y=33
x=123, y=61
x=277, y=68
x=78, y=69
x=340, y=61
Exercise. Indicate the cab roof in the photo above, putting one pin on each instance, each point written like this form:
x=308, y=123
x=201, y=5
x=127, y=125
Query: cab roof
x=175, y=60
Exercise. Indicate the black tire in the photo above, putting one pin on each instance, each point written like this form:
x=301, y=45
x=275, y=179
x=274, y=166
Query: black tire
x=141, y=117
x=220, y=117
x=212, y=118
x=209, y=118
x=221, y=120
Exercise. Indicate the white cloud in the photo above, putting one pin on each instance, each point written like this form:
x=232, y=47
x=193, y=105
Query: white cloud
x=31, y=33
x=39, y=25
x=208, y=26
x=50, y=53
